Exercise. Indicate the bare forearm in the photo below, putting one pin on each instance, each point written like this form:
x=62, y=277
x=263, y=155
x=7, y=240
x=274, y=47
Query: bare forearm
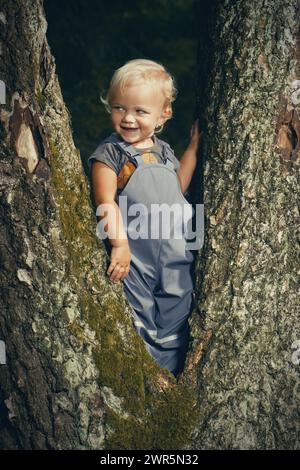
x=188, y=164
x=188, y=160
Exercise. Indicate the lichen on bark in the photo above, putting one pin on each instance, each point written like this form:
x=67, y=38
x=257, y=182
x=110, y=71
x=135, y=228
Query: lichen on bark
x=77, y=373
x=248, y=385
x=74, y=359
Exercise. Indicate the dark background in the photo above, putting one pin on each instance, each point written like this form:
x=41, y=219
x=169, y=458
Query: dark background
x=90, y=39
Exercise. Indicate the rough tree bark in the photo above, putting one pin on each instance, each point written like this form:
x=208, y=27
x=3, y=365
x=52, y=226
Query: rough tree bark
x=248, y=283
x=77, y=374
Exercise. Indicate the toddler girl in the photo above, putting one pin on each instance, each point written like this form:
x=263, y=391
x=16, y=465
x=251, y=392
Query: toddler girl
x=132, y=165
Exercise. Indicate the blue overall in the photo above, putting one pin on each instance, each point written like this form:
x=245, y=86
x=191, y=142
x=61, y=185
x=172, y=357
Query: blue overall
x=160, y=282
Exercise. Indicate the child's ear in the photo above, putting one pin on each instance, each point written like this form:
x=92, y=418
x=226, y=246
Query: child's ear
x=167, y=112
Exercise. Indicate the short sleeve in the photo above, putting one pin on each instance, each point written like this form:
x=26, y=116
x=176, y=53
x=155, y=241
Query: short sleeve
x=108, y=154
x=174, y=159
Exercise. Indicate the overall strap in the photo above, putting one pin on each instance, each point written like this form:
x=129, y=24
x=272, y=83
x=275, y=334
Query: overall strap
x=167, y=151
x=131, y=152
x=128, y=149
x=124, y=147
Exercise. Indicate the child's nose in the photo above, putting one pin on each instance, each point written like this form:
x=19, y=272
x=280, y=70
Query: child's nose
x=128, y=117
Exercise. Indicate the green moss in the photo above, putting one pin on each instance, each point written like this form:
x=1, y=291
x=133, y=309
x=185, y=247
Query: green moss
x=166, y=425
x=129, y=434
x=172, y=419
x=75, y=215
x=41, y=99
x=77, y=331
x=151, y=419
x=118, y=369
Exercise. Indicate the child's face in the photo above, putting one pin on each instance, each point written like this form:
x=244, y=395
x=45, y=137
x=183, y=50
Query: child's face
x=137, y=111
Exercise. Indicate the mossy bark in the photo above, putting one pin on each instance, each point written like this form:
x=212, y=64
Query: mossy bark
x=77, y=374
x=248, y=272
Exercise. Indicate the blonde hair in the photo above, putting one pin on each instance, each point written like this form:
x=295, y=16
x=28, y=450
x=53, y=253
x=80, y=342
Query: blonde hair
x=137, y=71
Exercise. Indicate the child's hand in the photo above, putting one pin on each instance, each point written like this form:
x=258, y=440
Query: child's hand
x=195, y=135
x=119, y=262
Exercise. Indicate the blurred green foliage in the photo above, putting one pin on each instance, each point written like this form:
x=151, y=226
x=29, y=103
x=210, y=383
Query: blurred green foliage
x=90, y=39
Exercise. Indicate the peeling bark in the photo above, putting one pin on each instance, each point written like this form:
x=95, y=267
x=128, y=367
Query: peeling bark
x=77, y=374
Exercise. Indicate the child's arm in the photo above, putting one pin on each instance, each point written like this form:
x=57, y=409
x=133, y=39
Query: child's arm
x=188, y=160
x=104, y=181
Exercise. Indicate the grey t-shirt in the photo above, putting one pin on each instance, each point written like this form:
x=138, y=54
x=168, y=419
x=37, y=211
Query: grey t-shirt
x=115, y=159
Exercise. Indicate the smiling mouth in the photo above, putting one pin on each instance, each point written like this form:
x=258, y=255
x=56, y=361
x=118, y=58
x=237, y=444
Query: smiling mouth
x=129, y=128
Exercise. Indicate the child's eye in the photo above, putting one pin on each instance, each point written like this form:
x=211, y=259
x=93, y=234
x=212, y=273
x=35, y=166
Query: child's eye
x=117, y=107
x=141, y=111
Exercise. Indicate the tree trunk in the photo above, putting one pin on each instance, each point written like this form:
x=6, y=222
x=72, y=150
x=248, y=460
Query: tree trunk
x=248, y=282
x=77, y=375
